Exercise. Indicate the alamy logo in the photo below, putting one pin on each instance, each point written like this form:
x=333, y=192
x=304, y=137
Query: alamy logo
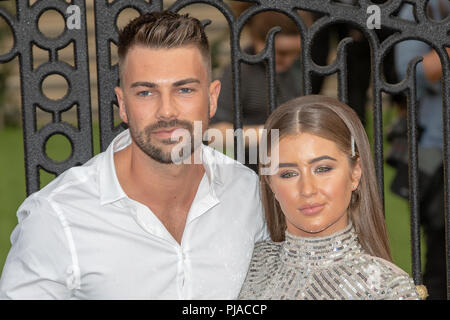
x=184, y=140
x=73, y=20
x=374, y=19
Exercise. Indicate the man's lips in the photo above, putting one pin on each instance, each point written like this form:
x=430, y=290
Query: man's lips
x=166, y=133
x=165, y=130
x=311, y=209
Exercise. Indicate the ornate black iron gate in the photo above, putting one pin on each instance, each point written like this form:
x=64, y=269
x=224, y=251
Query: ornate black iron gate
x=26, y=34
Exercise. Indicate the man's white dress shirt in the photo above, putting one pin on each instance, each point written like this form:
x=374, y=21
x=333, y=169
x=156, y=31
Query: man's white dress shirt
x=82, y=237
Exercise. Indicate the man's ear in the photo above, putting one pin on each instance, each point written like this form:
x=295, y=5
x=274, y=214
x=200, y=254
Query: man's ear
x=214, y=91
x=122, y=110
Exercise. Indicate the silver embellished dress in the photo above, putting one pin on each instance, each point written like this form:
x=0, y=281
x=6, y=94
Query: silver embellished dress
x=331, y=267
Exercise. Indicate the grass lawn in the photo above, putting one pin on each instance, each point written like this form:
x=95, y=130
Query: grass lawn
x=12, y=194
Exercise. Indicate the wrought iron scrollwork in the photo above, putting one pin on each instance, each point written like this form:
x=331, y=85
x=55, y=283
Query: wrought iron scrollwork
x=24, y=27
x=26, y=34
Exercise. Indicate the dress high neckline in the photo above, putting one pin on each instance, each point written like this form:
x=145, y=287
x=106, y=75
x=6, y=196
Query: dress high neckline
x=320, y=251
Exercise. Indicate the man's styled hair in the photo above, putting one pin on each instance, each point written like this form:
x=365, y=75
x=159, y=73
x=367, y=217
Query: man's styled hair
x=164, y=30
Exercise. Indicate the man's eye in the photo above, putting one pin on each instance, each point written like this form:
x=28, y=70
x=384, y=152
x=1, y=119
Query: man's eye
x=186, y=90
x=144, y=93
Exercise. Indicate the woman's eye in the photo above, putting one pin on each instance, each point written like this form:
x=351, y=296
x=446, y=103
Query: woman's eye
x=323, y=169
x=289, y=174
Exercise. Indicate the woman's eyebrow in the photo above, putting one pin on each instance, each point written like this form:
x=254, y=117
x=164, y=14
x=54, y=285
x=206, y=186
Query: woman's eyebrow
x=293, y=164
x=286, y=164
x=321, y=158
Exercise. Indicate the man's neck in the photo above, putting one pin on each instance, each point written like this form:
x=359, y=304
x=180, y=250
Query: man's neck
x=143, y=177
x=167, y=190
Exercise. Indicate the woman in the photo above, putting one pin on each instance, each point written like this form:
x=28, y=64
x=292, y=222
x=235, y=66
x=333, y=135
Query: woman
x=323, y=211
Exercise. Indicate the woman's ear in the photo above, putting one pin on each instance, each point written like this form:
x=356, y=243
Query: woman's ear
x=356, y=174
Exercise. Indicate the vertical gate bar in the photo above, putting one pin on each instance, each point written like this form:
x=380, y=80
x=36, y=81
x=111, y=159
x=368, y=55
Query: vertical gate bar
x=414, y=182
x=271, y=77
x=343, y=71
x=446, y=156
x=378, y=127
x=236, y=89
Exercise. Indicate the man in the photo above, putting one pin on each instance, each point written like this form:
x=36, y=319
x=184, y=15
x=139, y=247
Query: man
x=131, y=223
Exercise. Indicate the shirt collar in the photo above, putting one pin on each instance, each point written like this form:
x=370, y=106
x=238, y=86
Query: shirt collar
x=110, y=189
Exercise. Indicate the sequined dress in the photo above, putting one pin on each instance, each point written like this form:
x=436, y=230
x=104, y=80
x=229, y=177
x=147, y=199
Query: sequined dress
x=331, y=267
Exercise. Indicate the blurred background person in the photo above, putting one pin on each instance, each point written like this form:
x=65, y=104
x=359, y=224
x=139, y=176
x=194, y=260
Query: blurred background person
x=358, y=59
x=254, y=91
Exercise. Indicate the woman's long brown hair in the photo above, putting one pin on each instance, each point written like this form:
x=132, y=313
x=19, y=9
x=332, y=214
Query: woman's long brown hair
x=331, y=119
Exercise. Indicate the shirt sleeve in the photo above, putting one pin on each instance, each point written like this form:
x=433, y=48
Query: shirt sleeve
x=39, y=258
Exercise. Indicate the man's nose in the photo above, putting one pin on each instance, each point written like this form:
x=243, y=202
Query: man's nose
x=167, y=108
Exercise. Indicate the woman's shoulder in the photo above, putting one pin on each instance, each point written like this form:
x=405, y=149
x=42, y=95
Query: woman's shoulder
x=267, y=246
x=388, y=266
x=266, y=254
x=396, y=282
x=264, y=261
x=266, y=251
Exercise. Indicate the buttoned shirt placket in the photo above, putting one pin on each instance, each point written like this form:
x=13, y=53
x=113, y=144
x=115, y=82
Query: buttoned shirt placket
x=149, y=222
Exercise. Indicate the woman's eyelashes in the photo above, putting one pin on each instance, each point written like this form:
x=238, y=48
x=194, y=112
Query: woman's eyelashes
x=323, y=169
x=319, y=170
x=288, y=174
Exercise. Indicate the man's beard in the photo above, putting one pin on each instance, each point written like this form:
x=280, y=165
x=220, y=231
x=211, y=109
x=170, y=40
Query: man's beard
x=144, y=141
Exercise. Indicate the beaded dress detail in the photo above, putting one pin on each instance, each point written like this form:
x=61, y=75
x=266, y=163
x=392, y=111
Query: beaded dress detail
x=322, y=268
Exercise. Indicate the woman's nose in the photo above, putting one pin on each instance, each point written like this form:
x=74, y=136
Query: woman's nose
x=307, y=186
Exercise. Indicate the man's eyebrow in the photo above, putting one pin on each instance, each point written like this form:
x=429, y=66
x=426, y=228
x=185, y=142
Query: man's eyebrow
x=185, y=81
x=143, y=84
x=321, y=158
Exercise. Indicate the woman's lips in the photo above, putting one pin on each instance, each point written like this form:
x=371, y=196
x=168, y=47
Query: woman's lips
x=311, y=209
